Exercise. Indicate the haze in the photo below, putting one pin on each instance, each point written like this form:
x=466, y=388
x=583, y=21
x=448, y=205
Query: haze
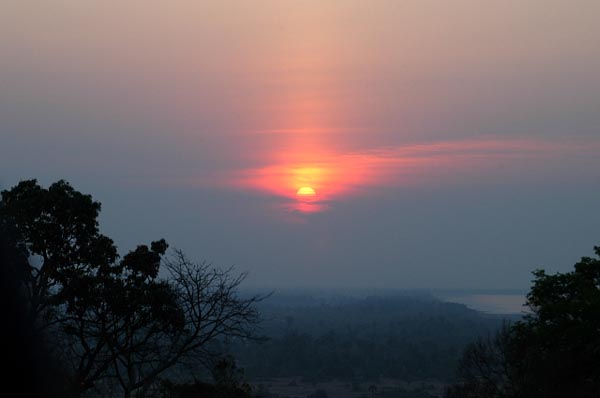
x=449, y=144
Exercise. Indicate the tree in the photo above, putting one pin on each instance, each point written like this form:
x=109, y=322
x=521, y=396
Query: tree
x=57, y=229
x=200, y=306
x=114, y=315
x=485, y=369
x=554, y=351
x=229, y=383
x=560, y=341
x=28, y=369
x=116, y=320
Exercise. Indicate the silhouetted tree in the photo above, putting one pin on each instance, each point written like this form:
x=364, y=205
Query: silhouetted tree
x=198, y=306
x=29, y=370
x=109, y=318
x=228, y=383
x=56, y=229
x=116, y=315
x=485, y=370
x=552, y=352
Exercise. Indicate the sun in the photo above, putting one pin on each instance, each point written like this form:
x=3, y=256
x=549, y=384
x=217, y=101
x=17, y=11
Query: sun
x=306, y=194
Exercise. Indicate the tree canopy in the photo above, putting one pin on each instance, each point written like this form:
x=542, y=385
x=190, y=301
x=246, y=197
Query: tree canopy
x=115, y=322
x=553, y=352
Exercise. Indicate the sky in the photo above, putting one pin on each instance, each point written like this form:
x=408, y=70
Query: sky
x=361, y=144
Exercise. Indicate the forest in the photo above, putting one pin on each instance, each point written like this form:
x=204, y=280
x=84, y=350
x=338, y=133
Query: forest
x=400, y=336
x=84, y=320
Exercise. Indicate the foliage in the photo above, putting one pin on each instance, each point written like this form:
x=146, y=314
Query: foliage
x=402, y=337
x=485, y=369
x=111, y=319
x=57, y=227
x=229, y=383
x=28, y=369
x=553, y=352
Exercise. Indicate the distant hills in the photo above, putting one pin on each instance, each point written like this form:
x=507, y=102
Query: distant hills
x=402, y=336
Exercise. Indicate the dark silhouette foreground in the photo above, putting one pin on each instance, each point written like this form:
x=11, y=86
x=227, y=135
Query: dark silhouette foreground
x=553, y=352
x=115, y=324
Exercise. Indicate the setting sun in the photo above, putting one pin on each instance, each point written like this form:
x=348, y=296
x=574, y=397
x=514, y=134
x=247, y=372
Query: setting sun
x=306, y=193
x=352, y=194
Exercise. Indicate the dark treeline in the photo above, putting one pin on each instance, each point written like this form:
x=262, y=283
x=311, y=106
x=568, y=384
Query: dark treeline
x=553, y=352
x=84, y=320
x=402, y=337
x=113, y=324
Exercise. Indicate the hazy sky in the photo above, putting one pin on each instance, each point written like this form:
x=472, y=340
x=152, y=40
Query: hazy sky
x=441, y=144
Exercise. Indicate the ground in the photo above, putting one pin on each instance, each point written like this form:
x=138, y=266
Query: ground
x=383, y=388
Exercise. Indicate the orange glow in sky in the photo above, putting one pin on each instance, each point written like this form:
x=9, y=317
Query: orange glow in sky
x=311, y=180
x=307, y=181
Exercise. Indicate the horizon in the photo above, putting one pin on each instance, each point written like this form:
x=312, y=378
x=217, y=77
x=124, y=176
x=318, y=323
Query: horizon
x=338, y=145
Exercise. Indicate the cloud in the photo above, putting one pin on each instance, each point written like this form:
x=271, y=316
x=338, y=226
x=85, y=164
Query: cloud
x=338, y=175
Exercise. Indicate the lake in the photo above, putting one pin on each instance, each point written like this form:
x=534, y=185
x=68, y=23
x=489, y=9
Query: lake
x=492, y=303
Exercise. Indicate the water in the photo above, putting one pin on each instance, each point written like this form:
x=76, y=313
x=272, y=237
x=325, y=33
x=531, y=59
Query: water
x=492, y=303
